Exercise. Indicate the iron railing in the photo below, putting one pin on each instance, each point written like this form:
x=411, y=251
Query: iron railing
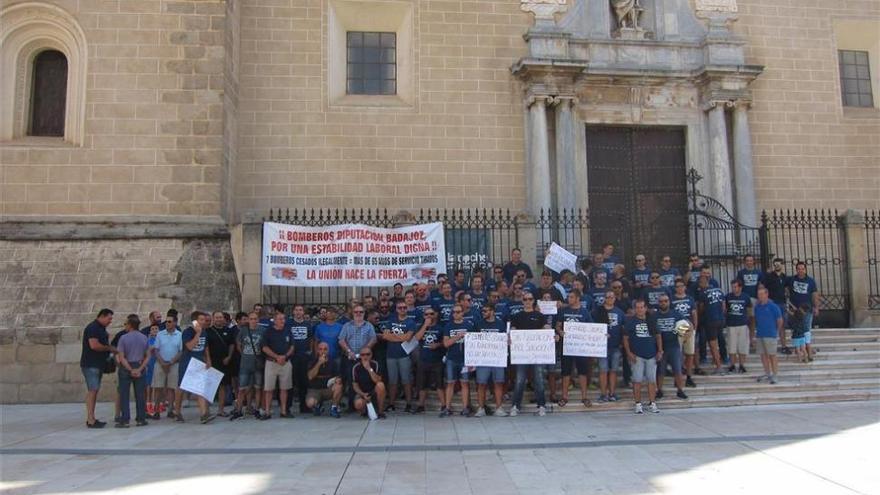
x=872, y=237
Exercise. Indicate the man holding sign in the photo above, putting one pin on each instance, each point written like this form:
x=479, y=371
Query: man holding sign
x=489, y=323
x=529, y=319
x=573, y=313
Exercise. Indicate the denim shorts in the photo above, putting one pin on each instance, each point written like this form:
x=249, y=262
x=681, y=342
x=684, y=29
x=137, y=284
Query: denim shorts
x=399, y=370
x=798, y=342
x=645, y=370
x=671, y=356
x=485, y=373
x=93, y=378
x=454, y=372
x=611, y=362
x=249, y=375
x=808, y=337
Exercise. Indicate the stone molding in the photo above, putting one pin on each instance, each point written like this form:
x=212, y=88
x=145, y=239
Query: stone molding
x=95, y=228
x=26, y=29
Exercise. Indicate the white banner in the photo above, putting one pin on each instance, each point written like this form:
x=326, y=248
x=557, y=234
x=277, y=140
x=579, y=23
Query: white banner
x=532, y=347
x=585, y=339
x=547, y=307
x=485, y=349
x=351, y=255
x=200, y=380
x=559, y=259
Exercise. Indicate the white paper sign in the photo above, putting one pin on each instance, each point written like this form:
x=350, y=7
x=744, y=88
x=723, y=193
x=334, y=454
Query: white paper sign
x=585, y=339
x=532, y=347
x=201, y=381
x=559, y=259
x=485, y=349
x=371, y=412
x=547, y=307
x=410, y=345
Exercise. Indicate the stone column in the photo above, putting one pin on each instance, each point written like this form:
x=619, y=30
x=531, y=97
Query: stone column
x=566, y=182
x=539, y=156
x=857, y=268
x=746, y=210
x=719, y=158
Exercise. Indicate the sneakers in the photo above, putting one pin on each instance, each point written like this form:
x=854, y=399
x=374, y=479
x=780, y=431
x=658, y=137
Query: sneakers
x=317, y=410
x=762, y=378
x=420, y=410
x=445, y=413
x=542, y=411
x=465, y=412
x=719, y=371
x=481, y=412
x=731, y=368
x=772, y=380
x=514, y=411
x=391, y=408
x=408, y=409
x=142, y=422
x=499, y=413
x=603, y=399
x=653, y=407
x=155, y=415
x=121, y=424
x=207, y=418
x=659, y=394
x=639, y=409
x=96, y=425
x=334, y=411
x=681, y=395
x=742, y=369
x=235, y=415
x=613, y=398
x=689, y=382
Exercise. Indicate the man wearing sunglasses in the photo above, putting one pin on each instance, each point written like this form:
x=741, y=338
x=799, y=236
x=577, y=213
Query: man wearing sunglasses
x=429, y=366
x=529, y=319
x=356, y=334
x=489, y=323
x=453, y=339
x=367, y=383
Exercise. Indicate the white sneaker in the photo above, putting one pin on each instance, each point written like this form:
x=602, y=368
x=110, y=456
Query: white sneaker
x=541, y=411
x=480, y=413
x=653, y=407
x=500, y=413
x=639, y=409
x=514, y=411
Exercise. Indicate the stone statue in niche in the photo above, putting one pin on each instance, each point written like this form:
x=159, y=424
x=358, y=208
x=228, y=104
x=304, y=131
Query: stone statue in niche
x=628, y=13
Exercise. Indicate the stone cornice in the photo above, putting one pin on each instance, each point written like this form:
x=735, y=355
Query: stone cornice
x=114, y=227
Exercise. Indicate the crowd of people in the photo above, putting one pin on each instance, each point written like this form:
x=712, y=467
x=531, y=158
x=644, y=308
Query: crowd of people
x=406, y=343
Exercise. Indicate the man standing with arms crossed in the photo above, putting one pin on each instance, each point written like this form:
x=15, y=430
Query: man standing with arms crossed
x=278, y=349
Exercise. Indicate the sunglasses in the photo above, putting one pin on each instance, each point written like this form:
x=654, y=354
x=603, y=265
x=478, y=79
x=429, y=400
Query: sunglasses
x=358, y=312
x=366, y=354
x=654, y=277
x=528, y=299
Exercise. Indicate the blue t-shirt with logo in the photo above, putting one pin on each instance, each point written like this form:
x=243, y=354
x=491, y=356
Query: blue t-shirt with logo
x=750, y=280
x=443, y=307
x=766, y=316
x=684, y=306
x=616, y=319
x=478, y=299
x=513, y=307
x=597, y=295
x=640, y=334
x=667, y=277
x=198, y=351
x=712, y=299
x=665, y=322
x=502, y=311
x=651, y=295
x=801, y=290
x=301, y=332
x=422, y=306
x=399, y=328
x=433, y=335
x=453, y=329
x=609, y=263
x=641, y=275
x=738, y=309
x=496, y=326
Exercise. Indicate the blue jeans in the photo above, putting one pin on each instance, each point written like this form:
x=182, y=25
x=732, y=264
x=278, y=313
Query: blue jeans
x=140, y=396
x=522, y=371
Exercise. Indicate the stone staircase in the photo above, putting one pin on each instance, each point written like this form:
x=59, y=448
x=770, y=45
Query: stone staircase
x=846, y=367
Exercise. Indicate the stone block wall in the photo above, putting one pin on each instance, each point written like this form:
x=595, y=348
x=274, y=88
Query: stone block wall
x=49, y=291
x=153, y=117
x=809, y=151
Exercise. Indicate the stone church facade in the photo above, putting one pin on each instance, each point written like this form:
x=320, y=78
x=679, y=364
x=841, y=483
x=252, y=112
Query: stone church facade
x=138, y=183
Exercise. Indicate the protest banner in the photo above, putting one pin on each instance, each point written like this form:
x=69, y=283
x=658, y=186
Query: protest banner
x=585, y=339
x=485, y=349
x=559, y=259
x=547, y=307
x=532, y=347
x=200, y=380
x=351, y=255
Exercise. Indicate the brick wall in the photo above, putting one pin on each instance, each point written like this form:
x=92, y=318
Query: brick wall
x=153, y=117
x=461, y=145
x=808, y=150
x=49, y=291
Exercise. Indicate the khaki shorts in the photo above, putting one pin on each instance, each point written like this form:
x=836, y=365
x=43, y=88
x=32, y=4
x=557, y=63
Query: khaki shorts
x=284, y=374
x=319, y=395
x=687, y=343
x=737, y=339
x=767, y=345
x=162, y=379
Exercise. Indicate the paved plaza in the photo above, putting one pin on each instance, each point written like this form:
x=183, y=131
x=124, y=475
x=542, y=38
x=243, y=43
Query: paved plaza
x=816, y=448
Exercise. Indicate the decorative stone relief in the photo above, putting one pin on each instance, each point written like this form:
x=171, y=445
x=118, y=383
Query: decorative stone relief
x=544, y=10
x=628, y=13
x=728, y=6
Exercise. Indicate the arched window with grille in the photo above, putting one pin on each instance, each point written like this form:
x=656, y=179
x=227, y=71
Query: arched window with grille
x=48, y=94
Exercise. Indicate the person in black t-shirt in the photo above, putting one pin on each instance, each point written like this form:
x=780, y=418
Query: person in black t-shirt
x=528, y=319
x=324, y=382
x=96, y=351
x=367, y=383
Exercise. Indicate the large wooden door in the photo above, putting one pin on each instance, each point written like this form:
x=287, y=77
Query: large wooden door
x=637, y=191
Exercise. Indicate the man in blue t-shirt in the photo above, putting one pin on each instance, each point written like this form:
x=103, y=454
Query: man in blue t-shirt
x=640, y=276
x=609, y=259
x=194, y=346
x=665, y=318
x=686, y=308
x=502, y=312
x=644, y=347
x=478, y=293
x=444, y=302
x=489, y=323
x=453, y=339
x=737, y=334
x=768, y=326
x=573, y=313
x=612, y=316
x=712, y=313
x=802, y=289
x=597, y=293
x=750, y=276
x=302, y=334
x=429, y=366
x=96, y=350
x=651, y=294
x=398, y=330
x=668, y=273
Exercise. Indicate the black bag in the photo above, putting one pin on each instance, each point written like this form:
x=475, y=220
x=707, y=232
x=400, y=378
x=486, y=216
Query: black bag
x=110, y=365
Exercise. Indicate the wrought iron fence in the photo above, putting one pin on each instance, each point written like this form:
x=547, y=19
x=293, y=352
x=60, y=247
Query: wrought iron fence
x=818, y=238
x=475, y=238
x=568, y=228
x=872, y=235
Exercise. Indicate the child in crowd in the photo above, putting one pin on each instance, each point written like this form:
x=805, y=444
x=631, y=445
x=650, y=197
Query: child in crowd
x=797, y=321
